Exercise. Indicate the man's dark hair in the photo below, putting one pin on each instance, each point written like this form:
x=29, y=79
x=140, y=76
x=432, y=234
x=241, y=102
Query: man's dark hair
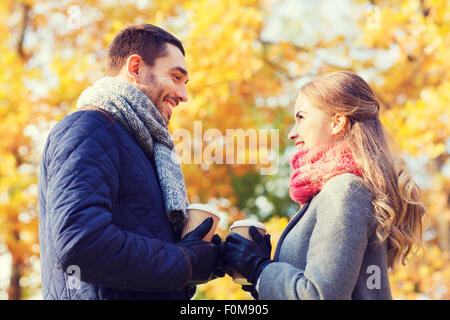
x=146, y=40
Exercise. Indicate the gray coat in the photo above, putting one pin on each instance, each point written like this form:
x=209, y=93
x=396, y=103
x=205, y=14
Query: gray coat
x=329, y=249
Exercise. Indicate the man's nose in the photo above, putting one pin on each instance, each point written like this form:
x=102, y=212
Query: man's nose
x=182, y=94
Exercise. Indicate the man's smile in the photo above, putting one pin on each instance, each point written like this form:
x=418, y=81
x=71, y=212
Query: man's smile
x=170, y=104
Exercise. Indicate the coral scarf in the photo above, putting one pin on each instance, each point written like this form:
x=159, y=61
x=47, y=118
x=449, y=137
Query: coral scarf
x=312, y=168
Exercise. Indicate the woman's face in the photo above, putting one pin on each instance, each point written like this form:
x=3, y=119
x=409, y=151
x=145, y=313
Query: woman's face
x=312, y=125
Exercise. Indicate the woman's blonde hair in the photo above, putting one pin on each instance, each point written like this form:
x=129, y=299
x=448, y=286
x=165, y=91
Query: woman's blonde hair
x=397, y=198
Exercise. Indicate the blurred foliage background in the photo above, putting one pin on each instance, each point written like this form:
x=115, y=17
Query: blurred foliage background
x=246, y=59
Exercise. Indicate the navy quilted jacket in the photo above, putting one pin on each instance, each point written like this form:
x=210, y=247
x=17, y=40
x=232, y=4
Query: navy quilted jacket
x=101, y=212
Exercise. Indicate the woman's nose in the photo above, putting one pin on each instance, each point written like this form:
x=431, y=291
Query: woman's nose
x=292, y=134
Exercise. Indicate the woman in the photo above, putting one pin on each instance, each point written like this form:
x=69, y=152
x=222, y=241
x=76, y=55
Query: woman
x=361, y=210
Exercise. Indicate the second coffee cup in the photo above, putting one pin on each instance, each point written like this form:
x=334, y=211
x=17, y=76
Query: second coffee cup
x=197, y=213
x=242, y=227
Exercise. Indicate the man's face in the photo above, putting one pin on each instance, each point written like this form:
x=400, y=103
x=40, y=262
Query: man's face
x=165, y=82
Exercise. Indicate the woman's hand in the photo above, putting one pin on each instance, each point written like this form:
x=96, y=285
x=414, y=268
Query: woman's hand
x=247, y=257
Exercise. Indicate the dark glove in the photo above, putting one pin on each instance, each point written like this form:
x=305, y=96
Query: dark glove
x=219, y=272
x=252, y=290
x=203, y=255
x=247, y=257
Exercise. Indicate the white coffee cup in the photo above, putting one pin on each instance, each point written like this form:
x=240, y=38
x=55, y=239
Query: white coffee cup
x=197, y=213
x=242, y=227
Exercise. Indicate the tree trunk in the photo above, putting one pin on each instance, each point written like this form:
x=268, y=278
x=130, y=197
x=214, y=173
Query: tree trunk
x=15, y=291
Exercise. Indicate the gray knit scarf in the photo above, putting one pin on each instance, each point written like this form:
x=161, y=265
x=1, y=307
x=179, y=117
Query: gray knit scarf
x=137, y=114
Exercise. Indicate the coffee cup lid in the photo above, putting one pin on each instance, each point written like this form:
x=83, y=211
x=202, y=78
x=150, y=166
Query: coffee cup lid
x=204, y=207
x=248, y=223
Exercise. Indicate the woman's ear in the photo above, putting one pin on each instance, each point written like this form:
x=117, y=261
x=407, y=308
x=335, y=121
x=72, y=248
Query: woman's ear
x=132, y=68
x=339, y=124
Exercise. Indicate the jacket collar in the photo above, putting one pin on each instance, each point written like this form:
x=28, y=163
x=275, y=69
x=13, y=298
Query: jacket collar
x=288, y=228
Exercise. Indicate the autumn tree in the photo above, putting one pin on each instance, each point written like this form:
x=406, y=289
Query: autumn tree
x=416, y=90
x=18, y=181
x=242, y=76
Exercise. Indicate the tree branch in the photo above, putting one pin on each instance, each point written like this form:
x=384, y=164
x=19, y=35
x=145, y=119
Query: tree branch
x=425, y=10
x=25, y=10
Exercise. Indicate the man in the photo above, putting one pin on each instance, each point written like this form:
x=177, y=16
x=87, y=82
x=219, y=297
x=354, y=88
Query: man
x=112, y=199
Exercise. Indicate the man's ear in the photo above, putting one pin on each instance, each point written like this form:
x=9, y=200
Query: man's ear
x=339, y=124
x=134, y=62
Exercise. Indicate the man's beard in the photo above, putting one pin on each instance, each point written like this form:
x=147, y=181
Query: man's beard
x=155, y=93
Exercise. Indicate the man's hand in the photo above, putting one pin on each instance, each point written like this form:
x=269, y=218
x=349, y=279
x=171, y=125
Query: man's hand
x=203, y=255
x=219, y=272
